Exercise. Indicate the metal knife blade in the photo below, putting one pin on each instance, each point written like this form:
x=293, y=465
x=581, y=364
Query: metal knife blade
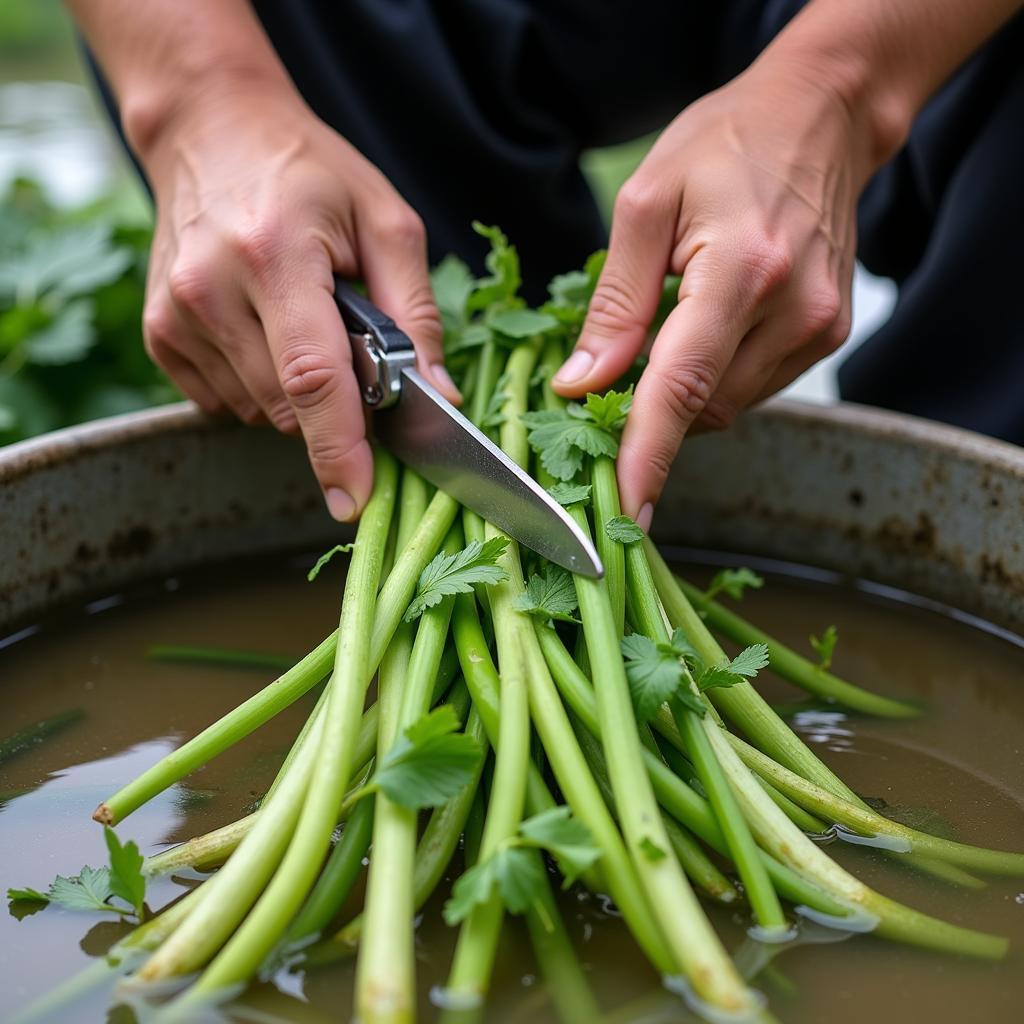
x=420, y=426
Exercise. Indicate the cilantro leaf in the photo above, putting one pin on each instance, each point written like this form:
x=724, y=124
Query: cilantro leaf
x=570, y=494
x=733, y=582
x=90, y=890
x=566, y=838
x=690, y=701
x=452, y=283
x=455, y=574
x=503, y=263
x=494, y=414
x=27, y=895
x=745, y=665
x=126, y=878
x=562, y=439
x=516, y=872
x=430, y=763
x=651, y=850
x=520, y=323
x=552, y=595
x=825, y=646
x=623, y=529
x=326, y=557
x=654, y=673
x=609, y=410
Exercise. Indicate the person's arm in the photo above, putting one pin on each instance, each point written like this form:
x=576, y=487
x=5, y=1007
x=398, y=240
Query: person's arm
x=751, y=195
x=258, y=204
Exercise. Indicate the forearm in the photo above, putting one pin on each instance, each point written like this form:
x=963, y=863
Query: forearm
x=884, y=58
x=161, y=58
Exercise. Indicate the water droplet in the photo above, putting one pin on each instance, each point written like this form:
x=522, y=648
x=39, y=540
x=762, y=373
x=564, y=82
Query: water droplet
x=528, y=980
x=1019, y=899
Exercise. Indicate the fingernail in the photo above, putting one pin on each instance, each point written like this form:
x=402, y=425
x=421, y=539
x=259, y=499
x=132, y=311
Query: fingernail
x=576, y=366
x=644, y=517
x=443, y=378
x=340, y=504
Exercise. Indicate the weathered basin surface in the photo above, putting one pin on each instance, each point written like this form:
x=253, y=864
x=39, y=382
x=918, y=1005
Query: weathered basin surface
x=902, y=501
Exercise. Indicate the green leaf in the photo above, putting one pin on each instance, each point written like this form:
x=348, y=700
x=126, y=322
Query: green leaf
x=745, y=665
x=517, y=874
x=651, y=850
x=74, y=261
x=567, y=839
x=338, y=549
x=551, y=595
x=733, y=582
x=562, y=439
x=452, y=283
x=126, y=878
x=494, y=414
x=570, y=494
x=430, y=763
x=456, y=574
x=609, y=410
x=520, y=323
x=89, y=891
x=28, y=895
x=471, y=336
x=690, y=701
x=825, y=646
x=503, y=263
x=66, y=339
x=623, y=529
x=654, y=674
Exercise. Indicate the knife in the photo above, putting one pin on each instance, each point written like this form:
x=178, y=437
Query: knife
x=418, y=424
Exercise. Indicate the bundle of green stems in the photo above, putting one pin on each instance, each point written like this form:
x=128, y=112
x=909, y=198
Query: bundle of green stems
x=490, y=718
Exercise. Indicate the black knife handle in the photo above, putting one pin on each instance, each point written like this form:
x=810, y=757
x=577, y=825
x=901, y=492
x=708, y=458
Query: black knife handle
x=380, y=349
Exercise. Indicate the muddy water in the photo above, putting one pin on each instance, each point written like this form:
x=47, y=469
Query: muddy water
x=961, y=768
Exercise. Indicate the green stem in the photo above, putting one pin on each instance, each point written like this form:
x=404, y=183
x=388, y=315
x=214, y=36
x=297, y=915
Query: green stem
x=385, y=971
x=748, y=710
x=219, y=656
x=645, y=609
x=694, y=945
x=800, y=671
x=258, y=934
x=392, y=602
x=606, y=506
x=478, y=937
x=870, y=823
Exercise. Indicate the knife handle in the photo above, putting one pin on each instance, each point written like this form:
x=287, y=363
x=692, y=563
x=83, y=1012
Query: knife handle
x=380, y=349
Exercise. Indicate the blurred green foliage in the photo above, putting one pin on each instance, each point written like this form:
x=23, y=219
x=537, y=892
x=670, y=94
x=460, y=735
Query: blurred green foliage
x=71, y=293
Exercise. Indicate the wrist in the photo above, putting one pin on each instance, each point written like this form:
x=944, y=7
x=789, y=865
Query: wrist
x=857, y=78
x=156, y=109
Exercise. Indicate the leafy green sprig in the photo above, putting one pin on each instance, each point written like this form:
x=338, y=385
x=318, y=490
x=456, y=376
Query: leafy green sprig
x=94, y=888
x=447, y=575
x=515, y=870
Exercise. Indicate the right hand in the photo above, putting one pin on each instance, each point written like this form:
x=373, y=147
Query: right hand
x=259, y=204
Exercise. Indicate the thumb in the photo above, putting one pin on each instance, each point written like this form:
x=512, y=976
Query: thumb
x=627, y=294
x=394, y=264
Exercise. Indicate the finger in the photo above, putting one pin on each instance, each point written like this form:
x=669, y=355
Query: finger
x=798, y=334
x=191, y=384
x=721, y=298
x=627, y=293
x=221, y=377
x=213, y=308
x=393, y=256
x=313, y=362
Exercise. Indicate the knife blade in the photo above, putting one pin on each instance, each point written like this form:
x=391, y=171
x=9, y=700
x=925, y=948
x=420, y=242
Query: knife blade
x=425, y=431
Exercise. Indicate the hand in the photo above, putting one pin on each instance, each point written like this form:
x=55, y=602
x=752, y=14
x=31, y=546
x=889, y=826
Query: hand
x=258, y=205
x=750, y=195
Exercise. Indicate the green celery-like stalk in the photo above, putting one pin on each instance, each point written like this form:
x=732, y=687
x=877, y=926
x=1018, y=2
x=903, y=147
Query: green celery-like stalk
x=261, y=707
x=385, y=971
x=478, y=936
x=695, y=947
x=242, y=955
x=645, y=609
x=800, y=671
x=870, y=823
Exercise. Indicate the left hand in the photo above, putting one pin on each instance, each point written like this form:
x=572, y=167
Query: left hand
x=750, y=194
